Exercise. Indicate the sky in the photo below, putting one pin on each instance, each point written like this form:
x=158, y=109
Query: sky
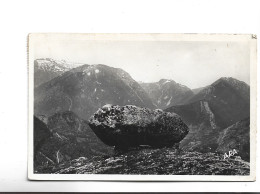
x=191, y=63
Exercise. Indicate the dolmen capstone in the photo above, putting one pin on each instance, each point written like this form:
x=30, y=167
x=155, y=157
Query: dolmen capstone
x=132, y=126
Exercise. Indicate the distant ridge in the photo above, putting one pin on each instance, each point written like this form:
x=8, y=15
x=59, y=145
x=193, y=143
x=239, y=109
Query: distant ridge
x=166, y=93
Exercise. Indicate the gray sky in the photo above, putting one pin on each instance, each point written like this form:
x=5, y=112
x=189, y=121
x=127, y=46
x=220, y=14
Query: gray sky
x=191, y=63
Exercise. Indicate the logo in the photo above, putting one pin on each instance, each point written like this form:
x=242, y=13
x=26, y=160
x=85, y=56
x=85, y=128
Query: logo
x=230, y=153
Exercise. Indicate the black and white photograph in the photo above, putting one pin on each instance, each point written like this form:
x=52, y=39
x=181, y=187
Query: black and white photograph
x=142, y=107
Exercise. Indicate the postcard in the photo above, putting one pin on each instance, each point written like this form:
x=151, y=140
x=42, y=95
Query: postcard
x=142, y=107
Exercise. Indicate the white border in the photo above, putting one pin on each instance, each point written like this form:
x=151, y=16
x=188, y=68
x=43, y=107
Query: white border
x=144, y=37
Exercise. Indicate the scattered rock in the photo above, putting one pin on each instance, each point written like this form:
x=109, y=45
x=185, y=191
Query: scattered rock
x=165, y=161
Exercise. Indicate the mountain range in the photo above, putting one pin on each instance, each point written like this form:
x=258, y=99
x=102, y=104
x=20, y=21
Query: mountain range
x=215, y=107
x=66, y=95
x=86, y=88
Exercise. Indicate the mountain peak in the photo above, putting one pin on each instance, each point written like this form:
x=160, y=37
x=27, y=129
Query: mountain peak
x=228, y=92
x=99, y=70
x=230, y=80
x=239, y=86
x=60, y=65
x=226, y=78
x=165, y=81
x=167, y=92
x=46, y=69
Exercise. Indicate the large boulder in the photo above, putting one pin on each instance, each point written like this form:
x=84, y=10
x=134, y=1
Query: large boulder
x=131, y=126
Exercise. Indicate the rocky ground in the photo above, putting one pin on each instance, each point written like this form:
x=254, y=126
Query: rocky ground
x=166, y=161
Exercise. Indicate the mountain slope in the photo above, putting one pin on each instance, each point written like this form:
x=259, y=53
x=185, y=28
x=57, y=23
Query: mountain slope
x=167, y=93
x=47, y=69
x=71, y=138
x=237, y=136
x=197, y=90
x=202, y=124
x=228, y=98
x=210, y=111
x=86, y=88
x=41, y=134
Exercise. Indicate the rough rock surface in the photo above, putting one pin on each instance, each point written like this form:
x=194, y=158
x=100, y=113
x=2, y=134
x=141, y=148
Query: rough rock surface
x=130, y=126
x=166, y=161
